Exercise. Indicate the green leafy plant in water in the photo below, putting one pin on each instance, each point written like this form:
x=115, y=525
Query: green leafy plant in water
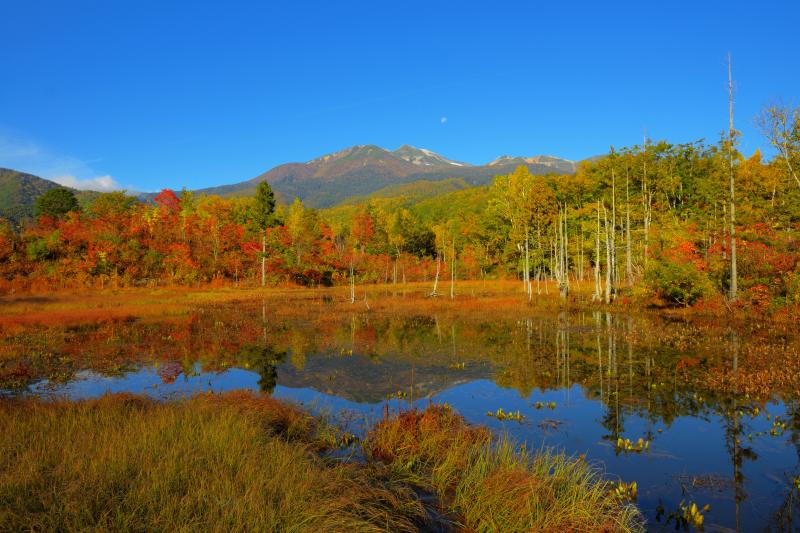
x=627, y=446
x=624, y=492
x=686, y=515
x=500, y=414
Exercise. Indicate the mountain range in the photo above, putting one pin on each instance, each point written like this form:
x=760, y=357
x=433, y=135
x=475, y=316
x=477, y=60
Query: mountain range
x=329, y=180
x=361, y=170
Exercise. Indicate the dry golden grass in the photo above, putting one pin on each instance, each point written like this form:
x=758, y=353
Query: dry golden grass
x=212, y=463
x=240, y=462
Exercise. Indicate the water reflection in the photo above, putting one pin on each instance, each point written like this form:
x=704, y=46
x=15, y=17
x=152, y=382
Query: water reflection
x=264, y=361
x=608, y=378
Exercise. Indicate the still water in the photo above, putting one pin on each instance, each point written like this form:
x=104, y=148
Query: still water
x=583, y=382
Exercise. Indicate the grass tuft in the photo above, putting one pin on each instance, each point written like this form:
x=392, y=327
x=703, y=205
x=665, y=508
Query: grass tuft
x=488, y=484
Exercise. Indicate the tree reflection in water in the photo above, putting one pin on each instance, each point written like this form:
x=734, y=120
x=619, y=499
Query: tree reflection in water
x=643, y=376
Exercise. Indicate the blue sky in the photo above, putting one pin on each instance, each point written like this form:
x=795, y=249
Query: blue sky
x=146, y=95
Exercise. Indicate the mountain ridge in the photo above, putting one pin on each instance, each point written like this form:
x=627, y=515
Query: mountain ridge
x=362, y=169
x=325, y=181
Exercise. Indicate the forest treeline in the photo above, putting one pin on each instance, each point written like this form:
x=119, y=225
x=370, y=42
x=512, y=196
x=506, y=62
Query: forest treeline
x=652, y=220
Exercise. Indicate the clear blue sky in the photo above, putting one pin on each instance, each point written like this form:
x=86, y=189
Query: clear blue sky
x=167, y=94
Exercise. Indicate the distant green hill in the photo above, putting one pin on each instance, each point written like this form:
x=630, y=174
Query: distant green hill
x=412, y=192
x=430, y=201
x=449, y=205
x=19, y=191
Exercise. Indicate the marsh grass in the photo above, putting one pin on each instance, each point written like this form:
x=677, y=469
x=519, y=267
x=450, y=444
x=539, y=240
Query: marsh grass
x=235, y=462
x=488, y=484
x=241, y=462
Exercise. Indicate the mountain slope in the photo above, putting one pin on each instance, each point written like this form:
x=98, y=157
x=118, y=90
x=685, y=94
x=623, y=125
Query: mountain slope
x=558, y=165
x=392, y=197
x=423, y=157
x=362, y=170
x=411, y=192
x=19, y=191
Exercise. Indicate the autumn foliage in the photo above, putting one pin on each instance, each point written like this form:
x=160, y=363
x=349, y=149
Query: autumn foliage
x=650, y=221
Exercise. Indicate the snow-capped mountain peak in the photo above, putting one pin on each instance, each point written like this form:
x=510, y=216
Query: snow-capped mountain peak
x=423, y=157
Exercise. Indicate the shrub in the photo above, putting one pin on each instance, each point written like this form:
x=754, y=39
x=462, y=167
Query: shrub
x=38, y=250
x=675, y=283
x=793, y=287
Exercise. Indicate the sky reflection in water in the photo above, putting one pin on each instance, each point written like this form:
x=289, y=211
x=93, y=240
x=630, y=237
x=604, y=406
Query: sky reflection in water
x=700, y=448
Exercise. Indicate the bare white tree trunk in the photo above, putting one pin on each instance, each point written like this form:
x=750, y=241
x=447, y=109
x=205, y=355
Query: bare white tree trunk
x=785, y=153
x=352, y=283
x=557, y=263
x=540, y=256
x=609, y=263
x=580, y=250
x=613, y=264
x=598, y=289
x=628, y=258
x=563, y=258
x=527, y=276
x=436, y=279
x=647, y=205
x=732, y=134
x=453, y=272
x=264, y=259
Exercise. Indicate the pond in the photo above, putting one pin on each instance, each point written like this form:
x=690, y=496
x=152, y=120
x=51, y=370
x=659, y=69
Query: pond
x=586, y=383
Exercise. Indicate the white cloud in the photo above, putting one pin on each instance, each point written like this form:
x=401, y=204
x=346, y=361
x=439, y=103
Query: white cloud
x=26, y=155
x=99, y=183
x=443, y=120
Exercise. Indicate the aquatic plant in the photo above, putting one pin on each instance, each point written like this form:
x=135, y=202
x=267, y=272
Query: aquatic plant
x=626, y=445
x=624, y=491
x=691, y=515
x=685, y=515
x=510, y=415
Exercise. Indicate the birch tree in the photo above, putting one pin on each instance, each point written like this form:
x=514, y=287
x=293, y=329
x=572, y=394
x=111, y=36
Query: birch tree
x=781, y=126
x=598, y=289
x=731, y=141
x=523, y=202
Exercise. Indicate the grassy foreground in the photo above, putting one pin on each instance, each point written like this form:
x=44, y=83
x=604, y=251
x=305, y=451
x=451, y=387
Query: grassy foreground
x=238, y=462
x=211, y=463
